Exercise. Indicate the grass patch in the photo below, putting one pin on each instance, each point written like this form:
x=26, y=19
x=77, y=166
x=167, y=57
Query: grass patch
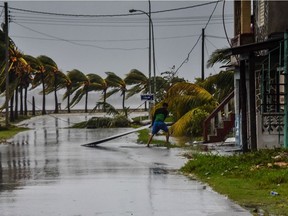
x=7, y=133
x=247, y=178
x=143, y=137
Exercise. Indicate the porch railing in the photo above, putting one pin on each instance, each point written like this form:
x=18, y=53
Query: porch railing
x=218, y=123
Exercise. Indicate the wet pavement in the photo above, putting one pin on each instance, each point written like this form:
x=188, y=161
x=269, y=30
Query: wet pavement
x=46, y=171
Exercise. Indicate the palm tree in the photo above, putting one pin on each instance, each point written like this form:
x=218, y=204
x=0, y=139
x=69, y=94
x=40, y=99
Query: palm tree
x=218, y=57
x=100, y=84
x=82, y=85
x=41, y=71
x=139, y=82
x=58, y=81
x=117, y=84
x=16, y=74
x=183, y=98
x=219, y=85
x=15, y=68
x=80, y=81
x=51, y=78
x=25, y=80
x=192, y=103
x=65, y=82
x=31, y=69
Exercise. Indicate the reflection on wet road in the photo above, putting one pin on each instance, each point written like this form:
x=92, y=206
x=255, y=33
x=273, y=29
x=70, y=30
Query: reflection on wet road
x=46, y=171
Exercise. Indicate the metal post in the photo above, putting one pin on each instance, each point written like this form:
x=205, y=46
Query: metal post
x=151, y=34
x=154, y=63
x=243, y=104
x=6, y=65
x=286, y=92
x=252, y=98
x=153, y=50
x=203, y=43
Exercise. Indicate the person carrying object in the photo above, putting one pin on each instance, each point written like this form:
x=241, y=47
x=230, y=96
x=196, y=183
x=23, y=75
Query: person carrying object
x=158, y=123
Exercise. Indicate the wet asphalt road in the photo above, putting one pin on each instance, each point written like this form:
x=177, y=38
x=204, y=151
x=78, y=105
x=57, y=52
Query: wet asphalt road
x=46, y=171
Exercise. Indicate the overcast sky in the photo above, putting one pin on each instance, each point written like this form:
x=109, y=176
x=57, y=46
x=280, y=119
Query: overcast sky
x=120, y=43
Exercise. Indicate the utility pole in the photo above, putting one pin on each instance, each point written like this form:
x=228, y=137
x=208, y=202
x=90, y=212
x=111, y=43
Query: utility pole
x=203, y=43
x=150, y=60
x=285, y=90
x=151, y=25
x=6, y=63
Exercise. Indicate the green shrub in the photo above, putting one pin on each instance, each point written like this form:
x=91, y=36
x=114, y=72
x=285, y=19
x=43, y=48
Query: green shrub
x=196, y=128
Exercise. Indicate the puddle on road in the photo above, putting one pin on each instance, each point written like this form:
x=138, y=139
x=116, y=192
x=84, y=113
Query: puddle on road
x=47, y=172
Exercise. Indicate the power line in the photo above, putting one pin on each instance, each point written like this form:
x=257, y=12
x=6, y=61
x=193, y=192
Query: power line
x=214, y=36
x=115, y=26
x=116, y=20
x=208, y=54
x=2, y=12
x=188, y=56
x=106, y=40
x=211, y=42
x=84, y=21
x=79, y=44
x=111, y=15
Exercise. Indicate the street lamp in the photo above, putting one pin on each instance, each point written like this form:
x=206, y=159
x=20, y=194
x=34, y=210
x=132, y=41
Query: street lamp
x=151, y=32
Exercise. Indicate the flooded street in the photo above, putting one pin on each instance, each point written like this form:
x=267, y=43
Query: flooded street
x=46, y=171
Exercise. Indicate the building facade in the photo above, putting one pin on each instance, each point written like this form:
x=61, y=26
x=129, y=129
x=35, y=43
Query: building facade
x=259, y=56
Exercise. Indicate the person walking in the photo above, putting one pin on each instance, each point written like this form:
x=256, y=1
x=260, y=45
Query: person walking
x=158, y=123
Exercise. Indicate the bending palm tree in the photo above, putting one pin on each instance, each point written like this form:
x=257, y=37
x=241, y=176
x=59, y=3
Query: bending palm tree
x=117, y=84
x=15, y=68
x=139, y=82
x=25, y=80
x=219, y=85
x=42, y=67
x=52, y=79
x=82, y=85
x=80, y=82
x=58, y=81
x=183, y=98
x=100, y=84
x=69, y=85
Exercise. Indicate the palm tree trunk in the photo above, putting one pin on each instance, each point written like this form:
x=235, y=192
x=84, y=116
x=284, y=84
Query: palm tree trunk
x=55, y=93
x=16, y=103
x=11, y=107
x=86, y=102
x=104, y=101
x=68, y=101
x=56, y=102
x=123, y=100
x=25, y=101
x=43, y=95
x=21, y=100
x=33, y=106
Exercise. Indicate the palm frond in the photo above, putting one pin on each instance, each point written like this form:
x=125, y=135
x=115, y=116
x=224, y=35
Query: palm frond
x=135, y=77
x=77, y=97
x=108, y=107
x=218, y=57
x=179, y=128
x=77, y=76
x=134, y=90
